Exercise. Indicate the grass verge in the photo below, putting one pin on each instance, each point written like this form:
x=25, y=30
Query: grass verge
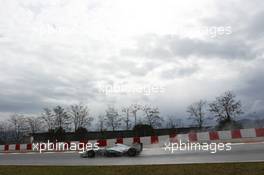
x=181, y=169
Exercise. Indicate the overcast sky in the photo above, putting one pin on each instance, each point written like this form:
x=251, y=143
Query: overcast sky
x=55, y=52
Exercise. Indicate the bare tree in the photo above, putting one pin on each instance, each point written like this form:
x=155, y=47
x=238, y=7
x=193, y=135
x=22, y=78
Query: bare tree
x=152, y=116
x=80, y=116
x=49, y=118
x=258, y=121
x=126, y=111
x=101, y=123
x=113, y=119
x=226, y=107
x=34, y=124
x=197, y=113
x=173, y=122
x=18, y=126
x=62, y=119
x=4, y=131
x=134, y=108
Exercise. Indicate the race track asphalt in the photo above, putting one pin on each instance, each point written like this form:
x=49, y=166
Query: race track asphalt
x=248, y=152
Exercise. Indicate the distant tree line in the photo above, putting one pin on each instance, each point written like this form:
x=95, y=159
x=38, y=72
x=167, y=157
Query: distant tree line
x=77, y=118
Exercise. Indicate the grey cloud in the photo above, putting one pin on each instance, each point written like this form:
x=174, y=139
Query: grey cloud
x=220, y=49
x=20, y=103
x=36, y=72
x=254, y=82
x=30, y=82
x=127, y=66
x=256, y=26
x=170, y=46
x=33, y=93
x=245, y=18
x=179, y=71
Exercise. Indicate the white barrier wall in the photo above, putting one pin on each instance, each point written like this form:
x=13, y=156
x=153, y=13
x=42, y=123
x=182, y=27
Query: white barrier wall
x=224, y=135
x=248, y=133
x=203, y=136
x=160, y=140
x=183, y=137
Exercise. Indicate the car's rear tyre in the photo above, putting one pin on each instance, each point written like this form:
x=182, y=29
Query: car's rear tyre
x=132, y=152
x=91, y=154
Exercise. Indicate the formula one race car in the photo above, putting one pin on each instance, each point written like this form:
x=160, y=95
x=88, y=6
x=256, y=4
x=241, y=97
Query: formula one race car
x=115, y=151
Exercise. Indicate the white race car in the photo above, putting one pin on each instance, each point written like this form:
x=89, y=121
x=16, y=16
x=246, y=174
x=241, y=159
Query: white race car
x=114, y=151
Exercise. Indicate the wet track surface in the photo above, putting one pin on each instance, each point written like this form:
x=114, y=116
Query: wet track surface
x=252, y=152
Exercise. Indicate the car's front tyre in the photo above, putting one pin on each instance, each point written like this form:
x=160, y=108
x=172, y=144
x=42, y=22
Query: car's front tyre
x=90, y=153
x=132, y=152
